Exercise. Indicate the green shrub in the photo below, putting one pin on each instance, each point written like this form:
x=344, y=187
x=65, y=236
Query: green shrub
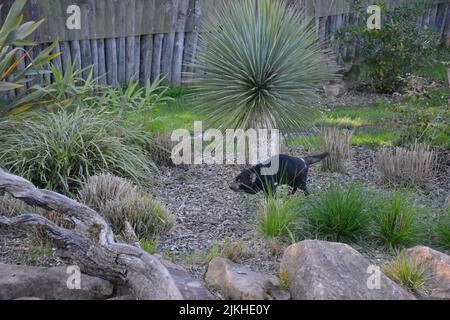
x=394, y=220
x=58, y=151
x=278, y=216
x=338, y=214
x=119, y=201
x=13, y=37
x=407, y=271
x=400, y=47
x=260, y=66
x=443, y=231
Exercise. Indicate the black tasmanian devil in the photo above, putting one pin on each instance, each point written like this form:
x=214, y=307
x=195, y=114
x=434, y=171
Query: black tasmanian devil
x=292, y=171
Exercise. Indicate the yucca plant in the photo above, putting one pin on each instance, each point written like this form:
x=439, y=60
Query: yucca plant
x=260, y=65
x=13, y=37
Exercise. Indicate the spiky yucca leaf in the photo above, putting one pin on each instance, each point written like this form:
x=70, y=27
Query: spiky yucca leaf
x=260, y=65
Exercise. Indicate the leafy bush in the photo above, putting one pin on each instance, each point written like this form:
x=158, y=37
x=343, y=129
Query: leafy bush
x=394, y=220
x=407, y=271
x=337, y=214
x=119, y=201
x=59, y=151
x=400, y=47
x=278, y=216
x=260, y=65
x=423, y=115
x=337, y=142
x=13, y=35
x=400, y=166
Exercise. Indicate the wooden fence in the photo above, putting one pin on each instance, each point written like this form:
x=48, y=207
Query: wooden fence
x=142, y=39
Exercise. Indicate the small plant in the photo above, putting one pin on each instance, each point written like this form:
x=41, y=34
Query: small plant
x=59, y=151
x=394, y=220
x=338, y=214
x=443, y=231
x=147, y=216
x=278, y=216
x=149, y=246
x=213, y=252
x=234, y=251
x=285, y=280
x=337, y=142
x=408, y=272
x=400, y=166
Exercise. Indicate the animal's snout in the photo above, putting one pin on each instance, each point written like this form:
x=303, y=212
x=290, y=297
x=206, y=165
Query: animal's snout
x=235, y=186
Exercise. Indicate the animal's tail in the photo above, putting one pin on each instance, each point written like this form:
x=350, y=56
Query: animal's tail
x=315, y=159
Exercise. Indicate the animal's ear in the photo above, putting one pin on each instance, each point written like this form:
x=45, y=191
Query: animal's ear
x=253, y=177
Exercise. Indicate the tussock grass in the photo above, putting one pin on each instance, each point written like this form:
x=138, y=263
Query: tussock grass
x=337, y=214
x=59, y=151
x=399, y=166
x=407, y=271
x=395, y=220
x=119, y=201
x=278, y=216
x=337, y=142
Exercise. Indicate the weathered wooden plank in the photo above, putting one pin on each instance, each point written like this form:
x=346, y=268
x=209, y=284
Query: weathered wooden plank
x=157, y=53
x=177, y=63
x=130, y=40
x=111, y=61
x=102, y=78
x=146, y=58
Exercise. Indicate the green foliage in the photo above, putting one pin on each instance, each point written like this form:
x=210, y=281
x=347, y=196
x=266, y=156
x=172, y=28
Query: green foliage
x=423, y=115
x=337, y=214
x=278, y=217
x=400, y=47
x=149, y=246
x=13, y=36
x=407, y=271
x=395, y=220
x=260, y=66
x=119, y=201
x=443, y=231
x=59, y=151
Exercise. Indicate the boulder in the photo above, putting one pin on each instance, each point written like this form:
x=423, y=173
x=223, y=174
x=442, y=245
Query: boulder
x=320, y=270
x=17, y=282
x=438, y=264
x=240, y=283
x=190, y=288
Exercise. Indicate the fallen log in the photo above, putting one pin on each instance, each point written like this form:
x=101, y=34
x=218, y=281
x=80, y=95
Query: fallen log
x=90, y=243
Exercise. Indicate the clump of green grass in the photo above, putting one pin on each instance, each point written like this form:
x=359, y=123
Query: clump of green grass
x=394, y=220
x=443, y=230
x=120, y=202
x=408, y=272
x=278, y=216
x=59, y=151
x=337, y=214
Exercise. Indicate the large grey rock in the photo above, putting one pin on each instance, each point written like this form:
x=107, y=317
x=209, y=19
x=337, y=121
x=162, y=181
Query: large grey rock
x=438, y=269
x=48, y=284
x=240, y=283
x=321, y=270
x=335, y=90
